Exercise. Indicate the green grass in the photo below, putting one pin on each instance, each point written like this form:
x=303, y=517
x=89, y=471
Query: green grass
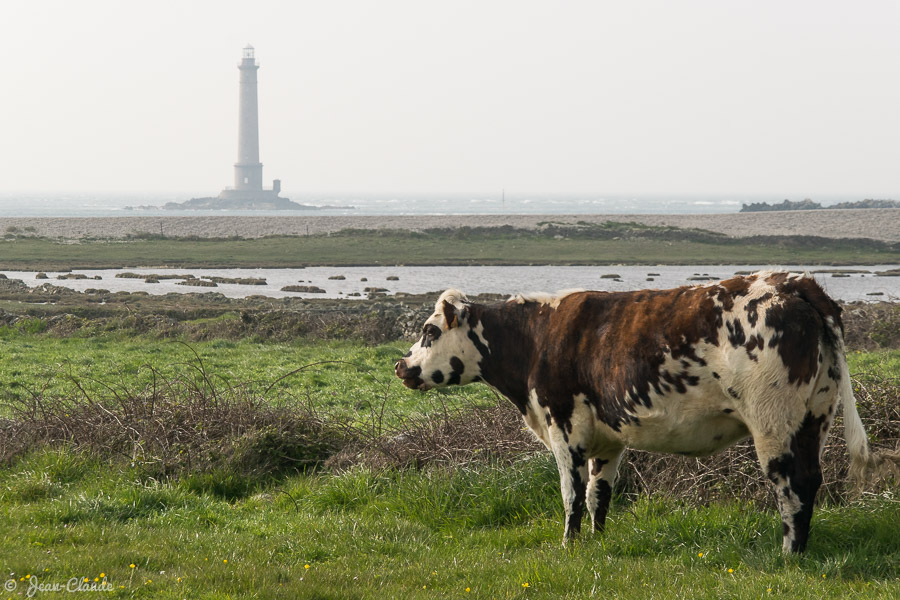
x=493, y=530
x=344, y=378
x=490, y=247
x=884, y=363
x=394, y=534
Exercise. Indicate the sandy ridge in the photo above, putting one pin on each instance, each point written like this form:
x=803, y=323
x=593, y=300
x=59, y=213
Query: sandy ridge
x=878, y=224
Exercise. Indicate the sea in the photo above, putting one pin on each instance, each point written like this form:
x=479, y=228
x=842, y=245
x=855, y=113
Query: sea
x=109, y=204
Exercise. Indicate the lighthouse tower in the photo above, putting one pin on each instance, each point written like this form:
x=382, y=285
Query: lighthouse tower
x=248, y=169
x=248, y=182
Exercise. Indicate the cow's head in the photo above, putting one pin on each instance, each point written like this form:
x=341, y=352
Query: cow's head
x=450, y=349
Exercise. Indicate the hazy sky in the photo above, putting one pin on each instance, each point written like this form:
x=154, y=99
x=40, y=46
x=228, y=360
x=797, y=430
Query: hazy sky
x=794, y=98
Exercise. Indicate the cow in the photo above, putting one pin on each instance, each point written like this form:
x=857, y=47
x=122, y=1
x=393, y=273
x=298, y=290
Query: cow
x=689, y=371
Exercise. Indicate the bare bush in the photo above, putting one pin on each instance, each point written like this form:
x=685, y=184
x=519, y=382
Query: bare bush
x=197, y=424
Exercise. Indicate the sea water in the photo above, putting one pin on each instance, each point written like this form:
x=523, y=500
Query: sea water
x=56, y=204
x=850, y=284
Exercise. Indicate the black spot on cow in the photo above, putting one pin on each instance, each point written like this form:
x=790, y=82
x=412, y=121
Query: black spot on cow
x=801, y=470
x=752, y=308
x=716, y=375
x=458, y=368
x=801, y=320
x=733, y=393
x=602, y=497
x=834, y=374
x=573, y=520
x=681, y=380
x=479, y=345
x=755, y=342
x=727, y=411
x=437, y=377
x=578, y=459
x=824, y=390
x=736, y=335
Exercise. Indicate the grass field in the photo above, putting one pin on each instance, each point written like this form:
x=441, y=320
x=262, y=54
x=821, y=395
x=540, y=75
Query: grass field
x=486, y=530
x=587, y=246
x=480, y=533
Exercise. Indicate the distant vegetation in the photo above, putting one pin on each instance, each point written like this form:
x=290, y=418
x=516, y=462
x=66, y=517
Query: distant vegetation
x=550, y=244
x=808, y=204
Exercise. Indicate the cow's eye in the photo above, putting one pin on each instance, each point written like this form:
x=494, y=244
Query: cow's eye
x=429, y=334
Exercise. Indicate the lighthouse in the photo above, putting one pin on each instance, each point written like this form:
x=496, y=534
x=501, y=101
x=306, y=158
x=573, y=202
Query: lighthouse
x=248, y=182
x=248, y=169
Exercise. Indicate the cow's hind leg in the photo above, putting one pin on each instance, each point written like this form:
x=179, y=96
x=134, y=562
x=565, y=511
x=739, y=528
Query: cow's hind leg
x=571, y=461
x=796, y=475
x=599, y=491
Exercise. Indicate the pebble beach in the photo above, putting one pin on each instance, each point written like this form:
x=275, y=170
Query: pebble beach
x=878, y=224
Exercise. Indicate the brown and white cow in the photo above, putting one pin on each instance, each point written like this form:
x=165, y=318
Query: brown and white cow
x=689, y=371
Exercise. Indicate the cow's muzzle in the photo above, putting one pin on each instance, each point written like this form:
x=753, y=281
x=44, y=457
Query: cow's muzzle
x=410, y=375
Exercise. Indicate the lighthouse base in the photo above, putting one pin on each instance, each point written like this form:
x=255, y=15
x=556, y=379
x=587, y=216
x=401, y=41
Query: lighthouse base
x=239, y=200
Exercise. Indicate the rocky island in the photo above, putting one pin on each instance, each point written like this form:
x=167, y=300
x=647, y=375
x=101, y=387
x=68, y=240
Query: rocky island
x=808, y=204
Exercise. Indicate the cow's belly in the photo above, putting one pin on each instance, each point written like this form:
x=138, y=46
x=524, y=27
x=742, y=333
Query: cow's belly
x=699, y=435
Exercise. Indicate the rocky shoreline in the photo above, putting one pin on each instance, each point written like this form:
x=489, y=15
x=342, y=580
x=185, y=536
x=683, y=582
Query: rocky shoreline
x=877, y=224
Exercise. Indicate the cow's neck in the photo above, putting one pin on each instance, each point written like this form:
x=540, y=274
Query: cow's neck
x=512, y=332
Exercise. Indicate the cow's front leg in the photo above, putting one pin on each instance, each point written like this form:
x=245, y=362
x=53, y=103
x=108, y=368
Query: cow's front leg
x=599, y=490
x=573, y=477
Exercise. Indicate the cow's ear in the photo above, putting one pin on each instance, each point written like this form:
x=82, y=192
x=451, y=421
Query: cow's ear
x=451, y=316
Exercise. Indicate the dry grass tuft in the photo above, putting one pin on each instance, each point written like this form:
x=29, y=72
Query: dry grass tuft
x=195, y=425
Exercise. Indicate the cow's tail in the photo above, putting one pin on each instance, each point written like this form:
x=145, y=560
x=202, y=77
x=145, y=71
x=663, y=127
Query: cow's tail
x=866, y=467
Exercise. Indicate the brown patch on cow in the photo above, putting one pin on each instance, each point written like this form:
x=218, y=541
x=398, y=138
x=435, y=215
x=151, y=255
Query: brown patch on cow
x=450, y=315
x=629, y=336
x=726, y=291
x=778, y=278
